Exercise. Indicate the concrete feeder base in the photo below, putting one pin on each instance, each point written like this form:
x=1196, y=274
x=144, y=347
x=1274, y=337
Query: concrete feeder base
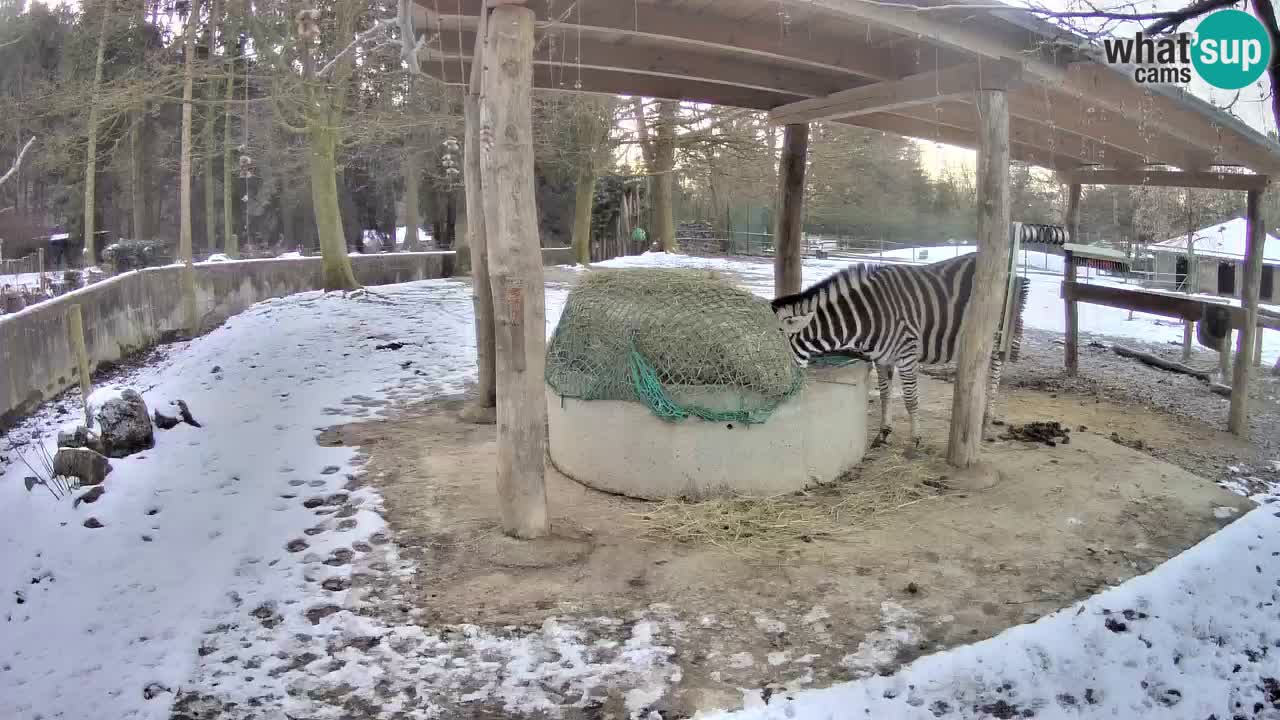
x=622, y=447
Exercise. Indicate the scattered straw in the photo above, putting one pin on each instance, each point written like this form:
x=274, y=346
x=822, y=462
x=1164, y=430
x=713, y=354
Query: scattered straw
x=752, y=525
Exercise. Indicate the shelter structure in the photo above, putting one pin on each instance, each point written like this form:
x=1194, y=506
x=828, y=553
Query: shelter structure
x=1000, y=81
x=1218, y=253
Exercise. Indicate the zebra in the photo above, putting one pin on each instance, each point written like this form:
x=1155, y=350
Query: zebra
x=896, y=316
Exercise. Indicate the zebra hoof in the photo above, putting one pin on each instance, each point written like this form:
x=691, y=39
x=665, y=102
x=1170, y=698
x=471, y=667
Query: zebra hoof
x=881, y=437
x=912, y=450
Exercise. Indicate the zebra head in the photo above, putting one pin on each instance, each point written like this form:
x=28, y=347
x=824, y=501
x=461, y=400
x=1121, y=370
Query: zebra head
x=811, y=321
x=796, y=316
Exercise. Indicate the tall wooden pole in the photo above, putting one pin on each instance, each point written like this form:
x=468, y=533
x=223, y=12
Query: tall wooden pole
x=978, y=327
x=515, y=265
x=1072, y=327
x=787, y=256
x=474, y=254
x=1238, y=422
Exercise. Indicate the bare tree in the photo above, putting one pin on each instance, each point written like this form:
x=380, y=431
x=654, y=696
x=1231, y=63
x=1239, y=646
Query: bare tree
x=17, y=163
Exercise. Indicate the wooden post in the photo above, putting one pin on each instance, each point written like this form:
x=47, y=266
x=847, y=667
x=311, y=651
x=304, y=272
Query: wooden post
x=40, y=269
x=978, y=326
x=787, y=260
x=515, y=265
x=1257, y=349
x=75, y=335
x=475, y=254
x=1071, y=349
x=1238, y=422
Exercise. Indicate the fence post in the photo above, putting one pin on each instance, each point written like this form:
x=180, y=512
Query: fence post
x=40, y=268
x=75, y=330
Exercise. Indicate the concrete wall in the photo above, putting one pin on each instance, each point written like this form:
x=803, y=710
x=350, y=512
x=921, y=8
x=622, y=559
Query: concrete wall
x=136, y=310
x=622, y=447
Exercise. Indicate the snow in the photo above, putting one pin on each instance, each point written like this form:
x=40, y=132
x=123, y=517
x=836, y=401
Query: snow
x=192, y=578
x=1188, y=640
x=218, y=257
x=289, y=255
x=1227, y=239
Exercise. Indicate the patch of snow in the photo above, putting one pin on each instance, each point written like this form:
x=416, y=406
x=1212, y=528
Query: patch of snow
x=881, y=647
x=771, y=626
x=741, y=660
x=1222, y=512
x=100, y=396
x=218, y=258
x=1194, y=638
x=816, y=615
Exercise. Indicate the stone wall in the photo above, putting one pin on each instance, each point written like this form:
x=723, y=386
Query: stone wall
x=136, y=310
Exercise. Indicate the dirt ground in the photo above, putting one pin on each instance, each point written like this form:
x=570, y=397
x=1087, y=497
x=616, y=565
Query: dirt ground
x=871, y=593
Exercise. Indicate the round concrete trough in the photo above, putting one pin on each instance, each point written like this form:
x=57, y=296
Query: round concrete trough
x=622, y=447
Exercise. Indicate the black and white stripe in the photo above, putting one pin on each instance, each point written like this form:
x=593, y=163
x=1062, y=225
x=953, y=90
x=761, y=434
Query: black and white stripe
x=898, y=316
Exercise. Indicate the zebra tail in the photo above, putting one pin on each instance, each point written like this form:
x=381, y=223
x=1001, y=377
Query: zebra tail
x=1019, y=307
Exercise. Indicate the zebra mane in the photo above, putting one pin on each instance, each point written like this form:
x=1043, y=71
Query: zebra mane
x=855, y=275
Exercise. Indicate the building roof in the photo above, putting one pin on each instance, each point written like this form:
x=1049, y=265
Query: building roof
x=910, y=67
x=1226, y=240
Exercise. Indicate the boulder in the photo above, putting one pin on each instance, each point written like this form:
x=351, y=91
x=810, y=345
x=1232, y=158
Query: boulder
x=89, y=467
x=80, y=437
x=125, y=425
x=164, y=422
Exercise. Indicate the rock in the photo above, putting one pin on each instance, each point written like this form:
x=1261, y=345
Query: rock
x=89, y=467
x=216, y=369
x=125, y=425
x=93, y=523
x=89, y=497
x=164, y=422
x=81, y=437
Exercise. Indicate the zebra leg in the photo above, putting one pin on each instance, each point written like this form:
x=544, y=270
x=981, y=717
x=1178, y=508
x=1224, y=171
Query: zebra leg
x=884, y=382
x=912, y=401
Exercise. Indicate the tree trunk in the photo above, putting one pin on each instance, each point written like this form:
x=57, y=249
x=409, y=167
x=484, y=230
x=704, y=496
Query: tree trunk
x=210, y=120
x=91, y=153
x=138, y=175
x=337, y=273
x=412, y=213
x=231, y=241
x=584, y=200
x=1071, y=348
x=981, y=317
x=412, y=173
x=665, y=156
x=477, y=255
x=184, y=171
x=515, y=258
x=787, y=253
x=1238, y=422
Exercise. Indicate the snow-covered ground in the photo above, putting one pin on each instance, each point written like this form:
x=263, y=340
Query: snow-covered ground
x=205, y=559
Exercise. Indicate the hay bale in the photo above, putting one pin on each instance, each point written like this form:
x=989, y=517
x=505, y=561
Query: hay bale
x=670, y=338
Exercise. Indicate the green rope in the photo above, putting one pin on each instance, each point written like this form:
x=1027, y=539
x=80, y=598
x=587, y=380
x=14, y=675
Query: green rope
x=652, y=393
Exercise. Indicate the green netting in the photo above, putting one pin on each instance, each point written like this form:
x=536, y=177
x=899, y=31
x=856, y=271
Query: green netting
x=682, y=342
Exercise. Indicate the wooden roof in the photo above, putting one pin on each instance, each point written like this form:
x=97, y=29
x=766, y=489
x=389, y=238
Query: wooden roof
x=869, y=64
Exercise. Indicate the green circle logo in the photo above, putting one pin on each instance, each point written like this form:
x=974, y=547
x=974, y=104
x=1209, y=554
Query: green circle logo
x=1232, y=49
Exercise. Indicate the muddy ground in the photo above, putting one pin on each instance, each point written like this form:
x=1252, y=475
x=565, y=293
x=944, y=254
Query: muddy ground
x=875, y=592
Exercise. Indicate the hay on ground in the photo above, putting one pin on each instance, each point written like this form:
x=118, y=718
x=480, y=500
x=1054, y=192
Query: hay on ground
x=750, y=525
